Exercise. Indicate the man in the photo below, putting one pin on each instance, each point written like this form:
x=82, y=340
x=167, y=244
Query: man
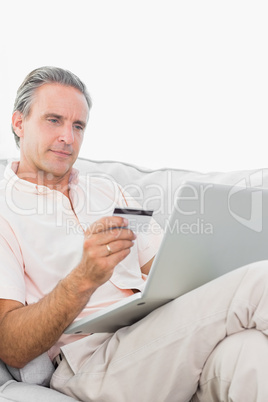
x=51, y=134
x=49, y=277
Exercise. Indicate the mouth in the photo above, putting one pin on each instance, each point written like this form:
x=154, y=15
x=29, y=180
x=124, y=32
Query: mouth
x=61, y=153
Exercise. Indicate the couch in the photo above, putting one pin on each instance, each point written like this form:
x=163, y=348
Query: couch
x=154, y=189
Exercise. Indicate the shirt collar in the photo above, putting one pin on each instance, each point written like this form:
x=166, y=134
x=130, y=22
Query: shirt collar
x=10, y=175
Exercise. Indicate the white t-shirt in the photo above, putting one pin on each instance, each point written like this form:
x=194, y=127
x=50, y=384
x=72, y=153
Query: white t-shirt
x=41, y=239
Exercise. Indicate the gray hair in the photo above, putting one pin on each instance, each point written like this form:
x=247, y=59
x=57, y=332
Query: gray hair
x=39, y=77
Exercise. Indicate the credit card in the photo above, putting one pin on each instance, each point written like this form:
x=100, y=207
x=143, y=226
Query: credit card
x=138, y=219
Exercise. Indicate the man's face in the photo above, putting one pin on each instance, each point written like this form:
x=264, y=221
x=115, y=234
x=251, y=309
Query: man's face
x=52, y=134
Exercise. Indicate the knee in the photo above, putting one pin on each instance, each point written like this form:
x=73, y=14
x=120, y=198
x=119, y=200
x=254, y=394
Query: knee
x=236, y=369
x=259, y=266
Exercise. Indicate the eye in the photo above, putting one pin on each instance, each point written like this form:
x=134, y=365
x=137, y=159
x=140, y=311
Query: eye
x=78, y=127
x=54, y=121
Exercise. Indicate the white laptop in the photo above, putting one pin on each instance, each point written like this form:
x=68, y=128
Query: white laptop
x=213, y=229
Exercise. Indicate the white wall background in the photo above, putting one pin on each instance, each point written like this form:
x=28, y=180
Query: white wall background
x=174, y=83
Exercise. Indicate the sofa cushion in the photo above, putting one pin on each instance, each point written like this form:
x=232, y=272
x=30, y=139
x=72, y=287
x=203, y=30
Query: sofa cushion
x=4, y=374
x=157, y=189
x=23, y=392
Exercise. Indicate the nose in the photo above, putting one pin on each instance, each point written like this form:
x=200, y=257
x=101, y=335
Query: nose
x=67, y=134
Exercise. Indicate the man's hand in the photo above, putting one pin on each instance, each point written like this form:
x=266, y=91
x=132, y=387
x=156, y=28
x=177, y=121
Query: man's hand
x=107, y=242
x=28, y=331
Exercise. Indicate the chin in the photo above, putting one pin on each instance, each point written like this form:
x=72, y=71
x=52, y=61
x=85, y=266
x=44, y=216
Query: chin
x=59, y=169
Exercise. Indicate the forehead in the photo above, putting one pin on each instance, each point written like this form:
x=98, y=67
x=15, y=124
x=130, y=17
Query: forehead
x=61, y=99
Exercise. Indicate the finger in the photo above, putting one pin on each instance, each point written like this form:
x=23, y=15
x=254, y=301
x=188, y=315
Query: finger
x=116, y=258
x=107, y=223
x=116, y=247
x=114, y=234
x=96, y=244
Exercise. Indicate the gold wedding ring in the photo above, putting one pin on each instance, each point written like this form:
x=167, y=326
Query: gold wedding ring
x=109, y=249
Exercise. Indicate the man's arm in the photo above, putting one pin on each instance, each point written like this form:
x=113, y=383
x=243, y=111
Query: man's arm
x=28, y=331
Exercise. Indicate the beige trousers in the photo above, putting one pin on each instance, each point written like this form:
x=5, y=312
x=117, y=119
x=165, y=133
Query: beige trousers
x=162, y=357
x=236, y=370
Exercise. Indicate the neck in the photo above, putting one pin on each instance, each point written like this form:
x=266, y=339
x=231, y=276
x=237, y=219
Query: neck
x=42, y=178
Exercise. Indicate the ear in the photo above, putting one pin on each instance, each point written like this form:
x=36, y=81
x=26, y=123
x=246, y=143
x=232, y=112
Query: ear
x=17, y=123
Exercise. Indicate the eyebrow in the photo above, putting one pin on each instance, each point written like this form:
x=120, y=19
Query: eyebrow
x=58, y=116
